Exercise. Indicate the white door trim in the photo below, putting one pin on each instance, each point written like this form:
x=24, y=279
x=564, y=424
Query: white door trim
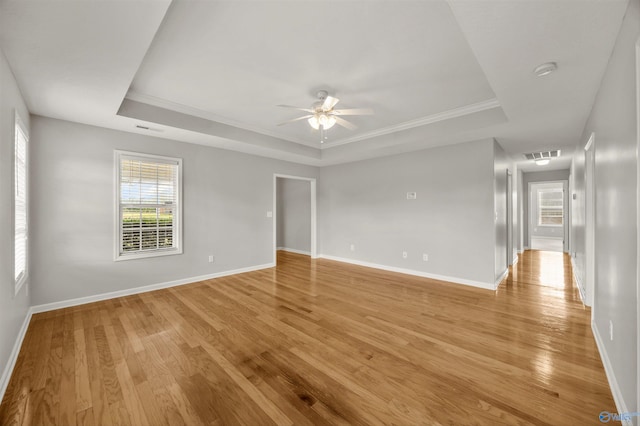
x=590, y=221
x=314, y=215
x=638, y=212
x=509, y=218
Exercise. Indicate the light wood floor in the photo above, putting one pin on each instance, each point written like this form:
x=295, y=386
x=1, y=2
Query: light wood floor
x=318, y=342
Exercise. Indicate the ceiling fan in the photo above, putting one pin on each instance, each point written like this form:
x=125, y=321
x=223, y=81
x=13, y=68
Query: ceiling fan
x=321, y=116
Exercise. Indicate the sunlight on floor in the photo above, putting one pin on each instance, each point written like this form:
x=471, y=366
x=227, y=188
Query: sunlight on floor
x=547, y=244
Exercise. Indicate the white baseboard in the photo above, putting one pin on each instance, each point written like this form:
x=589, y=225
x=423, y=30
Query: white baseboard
x=112, y=295
x=621, y=406
x=502, y=277
x=578, y=282
x=290, y=250
x=8, y=369
x=515, y=260
x=479, y=284
x=525, y=248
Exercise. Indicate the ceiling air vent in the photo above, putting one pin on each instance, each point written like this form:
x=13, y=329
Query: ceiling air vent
x=543, y=154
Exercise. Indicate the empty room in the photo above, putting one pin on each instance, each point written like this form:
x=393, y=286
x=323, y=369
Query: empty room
x=364, y=212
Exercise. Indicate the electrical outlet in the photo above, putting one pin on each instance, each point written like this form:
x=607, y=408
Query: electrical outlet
x=353, y=247
x=404, y=254
x=211, y=258
x=269, y=214
x=611, y=330
x=412, y=195
x=425, y=257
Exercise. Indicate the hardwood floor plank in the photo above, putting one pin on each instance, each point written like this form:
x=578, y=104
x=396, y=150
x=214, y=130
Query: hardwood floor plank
x=85, y=418
x=99, y=401
x=83, y=388
x=67, y=413
x=319, y=342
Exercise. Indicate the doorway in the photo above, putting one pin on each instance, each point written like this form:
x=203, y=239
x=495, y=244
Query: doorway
x=548, y=216
x=294, y=216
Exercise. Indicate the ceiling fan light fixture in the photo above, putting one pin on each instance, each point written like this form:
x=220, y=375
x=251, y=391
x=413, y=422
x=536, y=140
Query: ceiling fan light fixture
x=327, y=121
x=313, y=122
x=324, y=120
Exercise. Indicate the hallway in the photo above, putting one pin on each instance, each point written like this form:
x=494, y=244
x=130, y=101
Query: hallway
x=319, y=342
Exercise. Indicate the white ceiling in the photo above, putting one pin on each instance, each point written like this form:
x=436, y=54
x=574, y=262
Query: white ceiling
x=212, y=72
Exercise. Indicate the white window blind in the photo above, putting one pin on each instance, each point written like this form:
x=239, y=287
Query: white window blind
x=20, y=204
x=148, y=205
x=550, y=207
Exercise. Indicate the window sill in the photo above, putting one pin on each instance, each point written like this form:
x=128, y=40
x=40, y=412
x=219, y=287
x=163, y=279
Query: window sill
x=148, y=254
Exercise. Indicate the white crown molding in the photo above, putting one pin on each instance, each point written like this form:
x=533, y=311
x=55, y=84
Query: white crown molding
x=430, y=119
x=196, y=112
x=423, y=121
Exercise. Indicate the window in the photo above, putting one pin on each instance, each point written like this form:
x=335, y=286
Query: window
x=20, y=203
x=149, y=205
x=550, y=206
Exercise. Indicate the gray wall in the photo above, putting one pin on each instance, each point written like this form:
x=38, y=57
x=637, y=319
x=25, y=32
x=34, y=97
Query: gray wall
x=293, y=213
x=226, y=197
x=614, y=121
x=452, y=220
x=13, y=309
x=552, y=175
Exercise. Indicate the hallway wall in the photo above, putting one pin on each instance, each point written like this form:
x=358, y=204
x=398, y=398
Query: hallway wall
x=614, y=121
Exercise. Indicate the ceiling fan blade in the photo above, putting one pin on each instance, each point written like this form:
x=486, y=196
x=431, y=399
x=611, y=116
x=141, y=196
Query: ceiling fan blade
x=329, y=103
x=295, y=119
x=354, y=111
x=295, y=107
x=344, y=123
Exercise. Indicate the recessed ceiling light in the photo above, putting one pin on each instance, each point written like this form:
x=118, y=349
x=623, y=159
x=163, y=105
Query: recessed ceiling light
x=542, y=162
x=545, y=69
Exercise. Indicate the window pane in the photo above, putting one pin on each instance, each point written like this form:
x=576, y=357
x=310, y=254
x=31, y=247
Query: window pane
x=165, y=216
x=550, y=207
x=148, y=198
x=149, y=239
x=131, y=240
x=149, y=217
x=130, y=217
x=20, y=204
x=165, y=237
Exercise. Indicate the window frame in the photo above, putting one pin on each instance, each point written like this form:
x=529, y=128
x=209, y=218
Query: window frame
x=177, y=227
x=19, y=126
x=539, y=207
